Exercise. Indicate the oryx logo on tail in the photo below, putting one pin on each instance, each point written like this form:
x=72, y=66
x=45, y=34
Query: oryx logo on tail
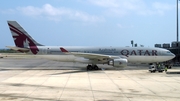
x=21, y=38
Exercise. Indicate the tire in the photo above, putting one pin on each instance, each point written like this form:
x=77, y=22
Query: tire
x=90, y=68
x=96, y=68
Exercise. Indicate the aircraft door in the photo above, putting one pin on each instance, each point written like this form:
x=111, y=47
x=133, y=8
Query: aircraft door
x=48, y=51
x=44, y=51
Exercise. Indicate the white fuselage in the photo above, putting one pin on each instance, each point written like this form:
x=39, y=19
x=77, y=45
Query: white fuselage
x=132, y=54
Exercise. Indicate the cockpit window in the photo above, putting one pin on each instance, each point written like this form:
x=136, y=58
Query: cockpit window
x=166, y=53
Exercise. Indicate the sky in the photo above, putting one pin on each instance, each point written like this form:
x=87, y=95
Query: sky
x=91, y=22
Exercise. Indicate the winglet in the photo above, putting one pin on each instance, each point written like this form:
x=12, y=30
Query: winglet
x=63, y=50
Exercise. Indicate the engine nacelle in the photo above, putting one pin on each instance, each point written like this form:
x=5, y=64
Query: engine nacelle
x=118, y=62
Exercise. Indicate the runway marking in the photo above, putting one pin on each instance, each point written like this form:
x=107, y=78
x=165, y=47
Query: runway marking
x=64, y=87
x=91, y=85
x=38, y=86
x=116, y=86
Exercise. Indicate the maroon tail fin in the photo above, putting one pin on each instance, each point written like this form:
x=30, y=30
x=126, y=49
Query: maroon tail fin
x=22, y=38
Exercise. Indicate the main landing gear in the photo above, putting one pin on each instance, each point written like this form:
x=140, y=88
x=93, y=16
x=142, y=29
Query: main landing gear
x=92, y=67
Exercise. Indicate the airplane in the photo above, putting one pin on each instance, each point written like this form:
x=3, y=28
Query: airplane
x=114, y=56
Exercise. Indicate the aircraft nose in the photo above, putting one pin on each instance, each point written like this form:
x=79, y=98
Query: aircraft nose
x=173, y=55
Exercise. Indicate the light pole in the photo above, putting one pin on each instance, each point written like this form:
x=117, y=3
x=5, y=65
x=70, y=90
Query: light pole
x=177, y=24
x=132, y=43
x=177, y=34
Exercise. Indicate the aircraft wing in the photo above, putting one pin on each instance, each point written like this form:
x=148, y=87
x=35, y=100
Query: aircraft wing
x=90, y=56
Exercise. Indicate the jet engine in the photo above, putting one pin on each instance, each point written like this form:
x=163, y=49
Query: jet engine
x=118, y=62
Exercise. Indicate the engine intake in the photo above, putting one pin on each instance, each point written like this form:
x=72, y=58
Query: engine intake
x=118, y=62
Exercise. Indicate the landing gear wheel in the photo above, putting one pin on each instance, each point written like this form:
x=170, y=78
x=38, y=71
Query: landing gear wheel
x=89, y=67
x=92, y=67
x=96, y=67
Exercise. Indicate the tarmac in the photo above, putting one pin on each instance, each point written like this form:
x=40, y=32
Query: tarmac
x=33, y=79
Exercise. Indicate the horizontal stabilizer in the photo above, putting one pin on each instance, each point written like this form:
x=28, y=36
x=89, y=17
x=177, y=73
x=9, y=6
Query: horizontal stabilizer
x=18, y=48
